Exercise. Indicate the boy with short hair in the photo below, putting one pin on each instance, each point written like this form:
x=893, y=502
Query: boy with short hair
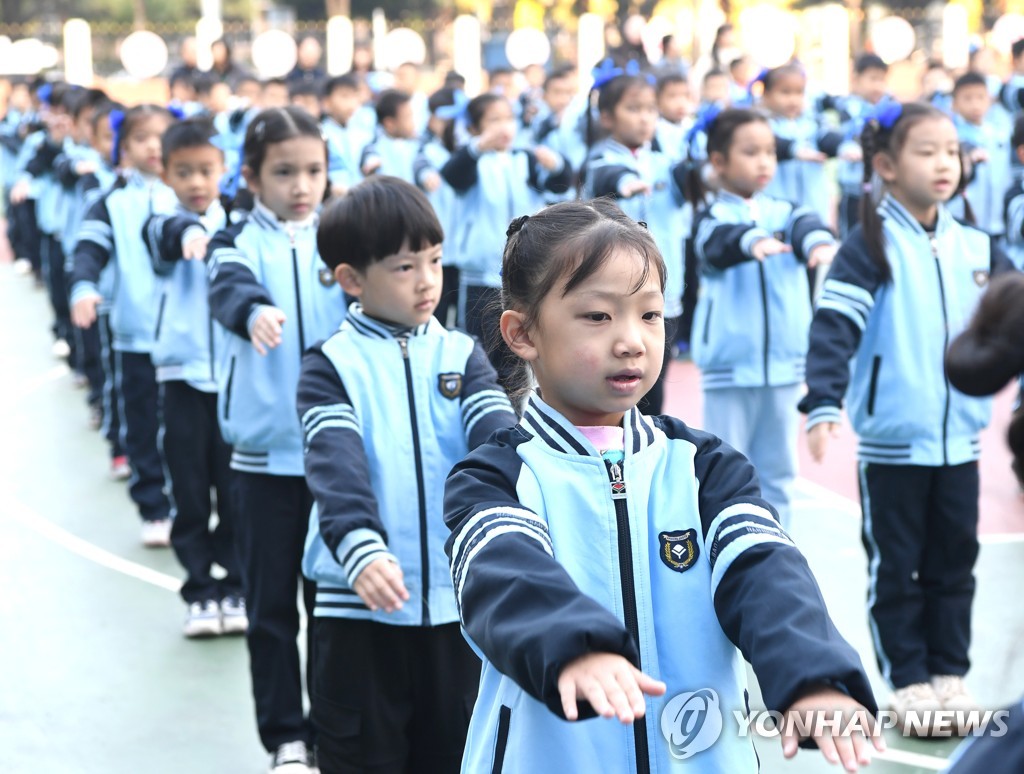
x=341, y=100
x=673, y=95
x=186, y=358
x=393, y=150
x=561, y=124
x=274, y=93
x=306, y=95
x=388, y=405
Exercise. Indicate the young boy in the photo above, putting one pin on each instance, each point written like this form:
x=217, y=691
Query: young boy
x=274, y=94
x=186, y=356
x=306, y=95
x=714, y=89
x=673, y=93
x=1012, y=94
x=393, y=150
x=988, y=150
x=560, y=125
x=341, y=100
x=388, y=405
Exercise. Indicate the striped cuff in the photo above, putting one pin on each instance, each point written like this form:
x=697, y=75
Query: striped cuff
x=814, y=239
x=824, y=414
x=359, y=549
x=257, y=310
x=749, y=239
x=84, y=290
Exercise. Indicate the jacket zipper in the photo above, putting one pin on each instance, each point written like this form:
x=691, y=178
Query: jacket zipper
x=209, y=327
x=629, y=609
x=420, y=488
x=707, y=322
x=764, y=302
x=160, y=316
x=227, y=389
x=501, y=741
x=876, y=366
x=945, y=345
x=298, y=294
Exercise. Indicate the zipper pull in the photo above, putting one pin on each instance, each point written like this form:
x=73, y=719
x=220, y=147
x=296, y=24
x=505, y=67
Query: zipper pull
x=404, y=344
x=934, y=242
x=614, y=462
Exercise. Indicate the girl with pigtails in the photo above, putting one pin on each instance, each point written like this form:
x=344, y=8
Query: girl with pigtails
x=904, y=283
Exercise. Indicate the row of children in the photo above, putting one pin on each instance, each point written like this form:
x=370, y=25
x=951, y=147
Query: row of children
x=231, y=344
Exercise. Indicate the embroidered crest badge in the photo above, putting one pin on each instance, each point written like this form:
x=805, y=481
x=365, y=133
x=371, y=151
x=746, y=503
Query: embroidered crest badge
x=679, y=550
x=980, y=278
x=450, y=385
x=326, y=277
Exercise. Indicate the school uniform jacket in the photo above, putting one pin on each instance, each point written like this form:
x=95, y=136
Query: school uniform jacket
x=112, y=233
x=1013, y=214
x=671, y=559
x=386, y=413
x=431, y=157
x=494, y=189
x=611, y=166
x=896, y=332
x=990, y=179
x=254, y=264
x=751, y=320
x=52, y=201
x=804, y=181
x=397, y=156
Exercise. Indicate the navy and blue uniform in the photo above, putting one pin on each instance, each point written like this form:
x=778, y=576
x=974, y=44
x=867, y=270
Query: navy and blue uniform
x=1013, y=216
x=750, y=330
x=344, y=151
x=397, y=156
x=804, y=181
x=990, y=179
x=111, y=234
x=259, y=263
x=186, y=357
x=557, y=552
x=882, y=344
x=387, y=412
x=430, y=159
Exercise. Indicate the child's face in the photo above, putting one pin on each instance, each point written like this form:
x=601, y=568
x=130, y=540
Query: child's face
x=403, y=124
x=927, y=168
x=936, y=81
x=599, y=349
x=674, y=102
x=182, y=91
x=217, y=101
x=407, y=78
x=503, y=84
x=194, y=174
x=275, y=95
x=786, y=97
x=82, y=130
x=870, y=85
x=972, y=103
x=103, y=139
x=500, y=119
x=749, y=165
x=21, y=98
x=249, y=92
x=559, y=94
x=403, y=288
x=142, y=145
x=293, y=177
x=308, y=102
x=740, y=70
x=341, y=104
x=715, y=90
x=634, y=119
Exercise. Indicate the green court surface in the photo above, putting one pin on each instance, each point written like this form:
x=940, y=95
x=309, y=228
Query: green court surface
x=96, y=677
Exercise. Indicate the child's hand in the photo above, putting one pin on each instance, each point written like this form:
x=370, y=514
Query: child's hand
x=372, y=165
x=809, y=154
x=83, y=168
x=380, y=585
x=978, y=156
x=850, y=750
x=431, y=181
x=768, y=246
x=821, y=255
x=20, y=191
x=493, y=138
x=853, y=153
x=266, y=330
x=613, y=686
x=818, y=438
x=195, y=250
x=83, y=312
x=546, y=157
x=634, y=188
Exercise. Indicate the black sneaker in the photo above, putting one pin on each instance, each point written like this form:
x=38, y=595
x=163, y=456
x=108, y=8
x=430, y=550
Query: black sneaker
x=290, y=758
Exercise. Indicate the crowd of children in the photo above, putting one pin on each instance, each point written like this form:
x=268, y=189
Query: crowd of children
x=297, y=315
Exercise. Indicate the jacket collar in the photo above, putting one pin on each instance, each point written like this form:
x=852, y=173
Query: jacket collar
x=266, y=217
x=890, y=209
x=378, y=329
x=542, y=421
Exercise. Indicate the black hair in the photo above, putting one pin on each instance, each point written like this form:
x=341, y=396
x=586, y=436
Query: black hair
x=203, y=84
x=716, y=45
x=876, y=139
x=1017, y=139
x=1017, y=48
x=132, y=118
x=276, y=125
x=182, y=77
x=558, y=249
x=274, y=82
x=60, y=93
x=772, y=77
x=970, y=78
x=374, y=220
x=500, y=71
x=558, y=74
x=346, y=81
x=444, y=97
x=669, y=79
x=190, y=133
x=102, y=113
x=82, y=100
x=477, y=108
x=303, y=89
x=867, y=61
x=609, y=95
x=720, y=134
x=247, y=78
x=388, y=103
x=714, y=72
x=934, y=64
x=454, y=80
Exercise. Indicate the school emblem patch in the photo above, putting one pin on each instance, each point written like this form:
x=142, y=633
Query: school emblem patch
x=980, y=278
x=450, y=385
x=326, y=277
x=679, y=550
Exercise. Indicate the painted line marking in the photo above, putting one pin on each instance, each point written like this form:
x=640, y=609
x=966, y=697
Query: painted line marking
x=905, y=758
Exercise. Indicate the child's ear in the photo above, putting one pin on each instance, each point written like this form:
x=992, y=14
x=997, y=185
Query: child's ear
x=515, y=334
x=607, y=121
x=252, y=180
x=349, y=279
x=717, y=159
x=1019, y=150
x=883, y=164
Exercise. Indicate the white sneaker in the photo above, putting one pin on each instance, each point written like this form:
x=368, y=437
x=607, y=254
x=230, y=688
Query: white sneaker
x=915, y=706
x=290, y=758
x=22, y=267
x=156, y=534
x=61, y=349
x=234, y=619
x=953, y=695
x=203, y=619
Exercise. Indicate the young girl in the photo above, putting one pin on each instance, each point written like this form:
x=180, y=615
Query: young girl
x=270, y=289
x=495, y=183
x=112, y=233
x=902, y=286
x=435, y=150
x=751, y=321
x=646, y=182
x=654, y=571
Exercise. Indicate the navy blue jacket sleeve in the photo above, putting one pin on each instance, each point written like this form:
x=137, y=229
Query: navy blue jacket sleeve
x=163, y=235
x=807, y=231
x=1000, y=261
x=829, y=142
x=485, y=406
x=517, y=603
x=337, y=469
x=235, y=293
x=721, y=245
x=64, y=170
x=93, y=251
x=603, y=179
x=765, y=595
x=42, y=162
x=847, y=298
x=460, y=170
x=542, y=180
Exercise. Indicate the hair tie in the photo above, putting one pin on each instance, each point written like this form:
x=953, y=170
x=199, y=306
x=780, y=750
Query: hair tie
x=705, y=119
x=177, y=112
x=456, y=110
x=516, y=226
x=642, y=224
x=605, y=72
x=116, y=119
x=886, y=115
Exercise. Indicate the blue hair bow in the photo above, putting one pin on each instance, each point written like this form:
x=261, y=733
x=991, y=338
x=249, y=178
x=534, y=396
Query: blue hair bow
x=705, y=118
x=177, y=112
x=45, y=93
x=605, y=73
x=116, y=122
x=456, y=110
x=887, y=114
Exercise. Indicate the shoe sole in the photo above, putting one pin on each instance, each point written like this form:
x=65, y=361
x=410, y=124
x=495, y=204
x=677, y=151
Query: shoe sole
x=203, y=632
x=234, y=628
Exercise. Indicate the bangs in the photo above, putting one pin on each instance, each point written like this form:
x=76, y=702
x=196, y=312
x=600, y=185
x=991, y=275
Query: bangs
x=584, y=255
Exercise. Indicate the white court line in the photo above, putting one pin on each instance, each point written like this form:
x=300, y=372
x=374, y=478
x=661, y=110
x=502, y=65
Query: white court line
x=47, y=529
x=905, y=758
